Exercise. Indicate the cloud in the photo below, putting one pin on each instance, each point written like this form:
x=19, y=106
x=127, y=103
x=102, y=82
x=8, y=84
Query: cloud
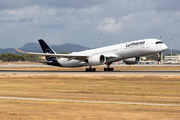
x=166, y=5
x=82, y=22
x=110, y=25
x=77, y=4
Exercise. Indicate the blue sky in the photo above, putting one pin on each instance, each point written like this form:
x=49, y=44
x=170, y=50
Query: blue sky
x=84, y=21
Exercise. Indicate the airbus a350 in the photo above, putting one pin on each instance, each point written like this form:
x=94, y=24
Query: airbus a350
x=129, y=52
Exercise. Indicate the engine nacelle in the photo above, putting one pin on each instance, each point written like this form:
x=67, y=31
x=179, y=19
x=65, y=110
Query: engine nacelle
x=134, y=60
x=96, y=60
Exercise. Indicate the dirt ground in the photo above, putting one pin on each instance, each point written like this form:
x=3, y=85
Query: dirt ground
x=140, y=89
x=37, y=110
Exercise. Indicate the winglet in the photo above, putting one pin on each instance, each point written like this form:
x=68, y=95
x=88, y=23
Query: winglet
x=20, y=50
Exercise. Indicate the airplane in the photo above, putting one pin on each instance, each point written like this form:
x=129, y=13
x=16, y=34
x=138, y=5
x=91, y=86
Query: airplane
x=129, y=52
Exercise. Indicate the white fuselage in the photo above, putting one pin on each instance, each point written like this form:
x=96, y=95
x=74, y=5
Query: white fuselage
x=122, y=51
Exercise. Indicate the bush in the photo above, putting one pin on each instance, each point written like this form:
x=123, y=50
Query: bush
x=9, y=57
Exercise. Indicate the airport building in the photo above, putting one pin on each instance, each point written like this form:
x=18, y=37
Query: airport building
x=175, y=59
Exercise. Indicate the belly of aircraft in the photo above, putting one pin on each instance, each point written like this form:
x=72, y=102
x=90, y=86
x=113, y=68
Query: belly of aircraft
x=64, y=62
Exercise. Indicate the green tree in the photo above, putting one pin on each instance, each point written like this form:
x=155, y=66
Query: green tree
x=9, y=57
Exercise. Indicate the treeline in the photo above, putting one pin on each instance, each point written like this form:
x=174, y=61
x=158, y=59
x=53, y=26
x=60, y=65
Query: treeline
x=9, y=57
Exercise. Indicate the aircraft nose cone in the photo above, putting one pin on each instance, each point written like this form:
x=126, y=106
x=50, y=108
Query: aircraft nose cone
x=165, y=47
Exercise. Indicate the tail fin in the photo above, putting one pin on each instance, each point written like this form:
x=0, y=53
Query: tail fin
x=47, y=49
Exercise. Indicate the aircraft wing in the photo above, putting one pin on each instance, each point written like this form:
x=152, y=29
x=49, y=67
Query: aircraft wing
x=69, y=56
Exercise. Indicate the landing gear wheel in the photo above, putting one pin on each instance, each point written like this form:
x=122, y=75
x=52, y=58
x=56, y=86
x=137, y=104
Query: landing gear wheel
x=87, y=70
x=90, y=69
x=112, y=69
x=108, y=68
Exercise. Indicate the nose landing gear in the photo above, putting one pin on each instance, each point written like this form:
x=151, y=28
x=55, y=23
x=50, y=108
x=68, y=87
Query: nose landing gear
x=108, y=68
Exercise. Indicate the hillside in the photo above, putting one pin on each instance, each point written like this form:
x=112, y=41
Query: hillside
x=35, y=47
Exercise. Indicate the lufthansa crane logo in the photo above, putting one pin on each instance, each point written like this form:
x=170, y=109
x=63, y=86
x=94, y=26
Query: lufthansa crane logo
x=48, y=50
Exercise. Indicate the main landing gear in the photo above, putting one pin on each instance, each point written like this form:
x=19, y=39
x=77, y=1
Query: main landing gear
x=90, y=69
x=108, y=68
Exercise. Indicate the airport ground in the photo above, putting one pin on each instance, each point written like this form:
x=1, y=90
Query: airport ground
x=162, y=92
x=34, y=68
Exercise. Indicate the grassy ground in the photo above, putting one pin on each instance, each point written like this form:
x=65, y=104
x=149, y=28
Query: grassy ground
x=35, y=110
x=144, y=89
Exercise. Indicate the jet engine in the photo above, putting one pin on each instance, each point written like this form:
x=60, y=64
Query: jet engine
x=133, y=60
x=96, y=60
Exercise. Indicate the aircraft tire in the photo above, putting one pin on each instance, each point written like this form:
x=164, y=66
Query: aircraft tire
x=87, y=70
x=112, y=69
x=90, y=69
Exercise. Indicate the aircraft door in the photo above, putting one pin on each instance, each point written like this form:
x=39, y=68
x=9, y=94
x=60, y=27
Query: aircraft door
x=121, y=48
x=147, y=44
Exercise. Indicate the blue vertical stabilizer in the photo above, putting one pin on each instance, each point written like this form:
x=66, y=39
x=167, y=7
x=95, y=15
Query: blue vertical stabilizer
x=47, y=49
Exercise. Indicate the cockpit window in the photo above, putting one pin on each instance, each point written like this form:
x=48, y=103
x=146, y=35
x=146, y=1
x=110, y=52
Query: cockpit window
x=158, y=42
